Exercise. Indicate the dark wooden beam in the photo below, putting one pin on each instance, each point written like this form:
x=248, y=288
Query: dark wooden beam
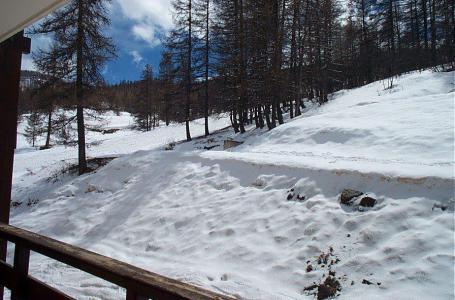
x=10, y=69
x=38, y=289
x=138, y=282
x=20, y=275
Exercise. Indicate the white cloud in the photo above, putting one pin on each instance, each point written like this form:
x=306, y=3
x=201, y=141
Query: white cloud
x=150, y=18
x=137, y=58
x=147, y=33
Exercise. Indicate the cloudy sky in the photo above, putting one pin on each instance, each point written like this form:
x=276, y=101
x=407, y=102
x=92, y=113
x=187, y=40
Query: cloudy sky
x=137, y=26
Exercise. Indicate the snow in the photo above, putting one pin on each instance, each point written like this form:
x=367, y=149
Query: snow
x=407, y=131
x=220, y=219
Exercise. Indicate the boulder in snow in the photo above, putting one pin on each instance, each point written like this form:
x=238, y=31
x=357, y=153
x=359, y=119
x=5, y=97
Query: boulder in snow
x=347, y=196
x=367, y=202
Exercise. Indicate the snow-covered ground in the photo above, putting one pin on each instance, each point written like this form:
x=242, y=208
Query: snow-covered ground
x=221, y=219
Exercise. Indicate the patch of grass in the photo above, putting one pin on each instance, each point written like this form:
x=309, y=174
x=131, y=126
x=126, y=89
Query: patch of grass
x=93, y=164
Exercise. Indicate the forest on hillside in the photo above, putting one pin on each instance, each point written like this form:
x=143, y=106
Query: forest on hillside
x=253, y=59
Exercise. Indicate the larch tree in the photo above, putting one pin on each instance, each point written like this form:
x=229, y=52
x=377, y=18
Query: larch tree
x=81, y=45
x=166, y=75
x=202, y=20
x=180, y=44
x=145, y=106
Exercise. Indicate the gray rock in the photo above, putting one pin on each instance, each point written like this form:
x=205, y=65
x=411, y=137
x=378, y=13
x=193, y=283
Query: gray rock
x=347, y=196
x=367, y=202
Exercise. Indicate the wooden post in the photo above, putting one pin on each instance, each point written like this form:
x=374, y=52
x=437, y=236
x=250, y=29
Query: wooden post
x=10, y=68
x=21, y=262
x=132, y=295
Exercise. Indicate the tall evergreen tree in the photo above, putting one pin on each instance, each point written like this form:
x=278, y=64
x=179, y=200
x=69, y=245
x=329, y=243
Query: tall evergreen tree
x=180, y=44
x=166, y=74
x=83, y=48
x=34, y=127
x=145, y=108
x=202, y=19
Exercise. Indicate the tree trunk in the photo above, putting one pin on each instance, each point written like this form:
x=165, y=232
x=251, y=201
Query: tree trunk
x=234, y=122
x=433, y=31
x=207, y=49
x=425, y=23
x=242, y=69
x=79, y=92
x=49, y=129
x=188, y=78
x=267, y=116
x=260, y=117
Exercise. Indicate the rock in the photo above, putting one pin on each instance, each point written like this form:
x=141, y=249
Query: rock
x=290, y=196
x=210, y=147
x=439, y=205
x=367, y=202
x=309, y=268
x=329, y=288
x=300, y=198
x=347, y=195
x=230, y=144
x=366, y=282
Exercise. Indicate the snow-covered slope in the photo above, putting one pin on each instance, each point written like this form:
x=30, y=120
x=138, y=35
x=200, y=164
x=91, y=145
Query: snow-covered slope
x=405, y=131
x=222, y=219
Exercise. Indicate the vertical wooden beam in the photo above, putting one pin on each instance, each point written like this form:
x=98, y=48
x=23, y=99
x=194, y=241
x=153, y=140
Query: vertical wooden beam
x=21, y=263
x=131, y=295
x=10, y=67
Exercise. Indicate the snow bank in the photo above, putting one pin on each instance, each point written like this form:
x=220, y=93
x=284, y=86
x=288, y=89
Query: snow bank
x=406, y=131
x=222, y=219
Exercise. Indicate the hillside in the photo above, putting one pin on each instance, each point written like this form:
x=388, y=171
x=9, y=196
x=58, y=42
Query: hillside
x=251, y=220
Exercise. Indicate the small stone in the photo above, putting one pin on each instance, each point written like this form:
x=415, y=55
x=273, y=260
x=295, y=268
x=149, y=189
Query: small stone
x=348, y=235
x=366, y=282
x=309, y=268
x=290, y=196
x=300, y=198
x=367, y=202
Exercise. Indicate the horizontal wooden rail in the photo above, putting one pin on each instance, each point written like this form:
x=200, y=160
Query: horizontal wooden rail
x=139, y=283
x=35, y=289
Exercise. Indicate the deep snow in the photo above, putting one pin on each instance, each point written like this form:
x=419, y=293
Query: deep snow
x=221, y=219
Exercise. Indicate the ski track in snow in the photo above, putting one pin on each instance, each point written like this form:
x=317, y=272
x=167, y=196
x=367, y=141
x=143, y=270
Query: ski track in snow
x=221, y=219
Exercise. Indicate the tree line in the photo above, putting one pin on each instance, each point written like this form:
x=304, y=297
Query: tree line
x=271, y=55
x=254, y=59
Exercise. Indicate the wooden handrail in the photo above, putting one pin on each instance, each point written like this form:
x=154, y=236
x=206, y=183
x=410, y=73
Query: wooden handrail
x=139, y=283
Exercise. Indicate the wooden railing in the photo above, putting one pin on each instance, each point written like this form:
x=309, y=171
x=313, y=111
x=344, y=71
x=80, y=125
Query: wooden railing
x=139, y=283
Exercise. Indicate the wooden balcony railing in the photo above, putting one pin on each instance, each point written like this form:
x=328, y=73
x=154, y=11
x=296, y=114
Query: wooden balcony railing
x=139, y=283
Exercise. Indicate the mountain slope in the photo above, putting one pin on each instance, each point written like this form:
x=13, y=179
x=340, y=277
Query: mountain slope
x=249, y=221
x=406, y=131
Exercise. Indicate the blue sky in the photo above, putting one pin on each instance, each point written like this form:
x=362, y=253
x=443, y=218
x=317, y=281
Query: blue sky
x=137, y=27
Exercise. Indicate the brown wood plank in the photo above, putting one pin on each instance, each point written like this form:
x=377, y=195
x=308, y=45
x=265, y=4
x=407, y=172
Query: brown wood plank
x=20, y=275
x=10, y=67
x=132, y=278
x=38, y=289
x=6, y=275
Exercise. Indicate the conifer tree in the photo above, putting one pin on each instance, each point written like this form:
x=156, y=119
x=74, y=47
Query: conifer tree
x=82, y=48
